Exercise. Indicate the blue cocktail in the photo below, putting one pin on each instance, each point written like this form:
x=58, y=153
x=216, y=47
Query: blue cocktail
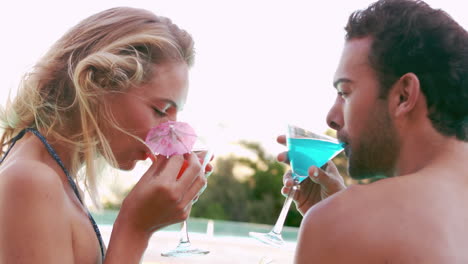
x=306, y=152
x=305, y=149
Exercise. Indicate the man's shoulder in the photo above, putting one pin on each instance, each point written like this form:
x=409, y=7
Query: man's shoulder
x=357, y=202
x=349, y=206
x=349, y=222
x=350, y=199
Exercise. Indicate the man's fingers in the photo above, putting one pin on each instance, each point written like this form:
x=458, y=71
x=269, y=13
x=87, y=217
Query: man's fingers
x=320, y=176
x=281, y=139
x=329, y=180
x=283, y=157
x=285, y=191
x=331, y=168
x=287, y=178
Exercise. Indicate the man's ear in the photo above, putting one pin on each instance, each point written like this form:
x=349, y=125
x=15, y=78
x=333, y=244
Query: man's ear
x=405, y=94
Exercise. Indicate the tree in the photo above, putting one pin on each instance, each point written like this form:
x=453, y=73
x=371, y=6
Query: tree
x=225, y=198
x=256, y=199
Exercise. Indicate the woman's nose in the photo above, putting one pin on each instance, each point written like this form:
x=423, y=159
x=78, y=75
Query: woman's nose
x=169, y=118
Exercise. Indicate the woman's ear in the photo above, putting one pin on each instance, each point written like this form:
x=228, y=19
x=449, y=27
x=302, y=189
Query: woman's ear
x=405, y=94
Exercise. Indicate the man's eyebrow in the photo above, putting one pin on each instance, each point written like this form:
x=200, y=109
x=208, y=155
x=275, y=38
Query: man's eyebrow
x=341, y=80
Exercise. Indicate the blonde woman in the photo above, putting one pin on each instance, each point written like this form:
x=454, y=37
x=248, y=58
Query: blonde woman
x=93, y=97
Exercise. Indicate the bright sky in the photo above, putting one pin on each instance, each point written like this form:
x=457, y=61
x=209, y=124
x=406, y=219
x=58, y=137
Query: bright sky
x=260, y=64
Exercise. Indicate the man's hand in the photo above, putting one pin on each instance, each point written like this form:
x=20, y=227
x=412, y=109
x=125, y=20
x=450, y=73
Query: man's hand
x=320, y=184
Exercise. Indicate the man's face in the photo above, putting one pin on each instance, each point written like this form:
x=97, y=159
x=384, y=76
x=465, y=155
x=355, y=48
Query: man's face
x=360, y=117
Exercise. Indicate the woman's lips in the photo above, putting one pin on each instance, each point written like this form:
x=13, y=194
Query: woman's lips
x=149, y=155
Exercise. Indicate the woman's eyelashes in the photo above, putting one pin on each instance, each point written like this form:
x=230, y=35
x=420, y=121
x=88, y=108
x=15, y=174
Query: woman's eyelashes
x=161, y=113
x=162, y=109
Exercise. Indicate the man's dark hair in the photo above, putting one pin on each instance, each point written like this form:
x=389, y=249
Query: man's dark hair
x=410, y=36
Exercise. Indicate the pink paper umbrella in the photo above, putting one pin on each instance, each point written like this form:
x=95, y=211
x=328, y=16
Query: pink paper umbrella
x=171, y=138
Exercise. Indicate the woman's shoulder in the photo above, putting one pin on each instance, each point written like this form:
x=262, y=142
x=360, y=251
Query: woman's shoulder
x=33, y=213
x=30, y=179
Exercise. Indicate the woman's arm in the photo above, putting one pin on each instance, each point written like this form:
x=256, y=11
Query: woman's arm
x=156, y=201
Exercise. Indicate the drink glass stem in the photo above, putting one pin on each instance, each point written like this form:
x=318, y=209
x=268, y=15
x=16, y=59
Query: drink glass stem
x=184, y=239
x=284, y=212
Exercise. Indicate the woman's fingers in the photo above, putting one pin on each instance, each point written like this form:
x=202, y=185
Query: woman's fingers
x=162, y=166
x=192, y=180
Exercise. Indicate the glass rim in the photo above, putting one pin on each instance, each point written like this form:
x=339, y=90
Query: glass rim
x=316, y=135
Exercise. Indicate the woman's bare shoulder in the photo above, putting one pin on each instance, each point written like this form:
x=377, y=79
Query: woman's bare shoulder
x=33, y=214
x=29, y=180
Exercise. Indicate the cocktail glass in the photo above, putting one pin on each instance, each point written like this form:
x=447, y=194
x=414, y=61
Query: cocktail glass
x=305, y=149
x=185, y=247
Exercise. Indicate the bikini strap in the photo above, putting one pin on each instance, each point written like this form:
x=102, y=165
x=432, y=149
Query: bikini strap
x=13, y=142
x=69, y=178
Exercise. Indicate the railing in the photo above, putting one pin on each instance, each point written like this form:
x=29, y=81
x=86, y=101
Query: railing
x=209, y=226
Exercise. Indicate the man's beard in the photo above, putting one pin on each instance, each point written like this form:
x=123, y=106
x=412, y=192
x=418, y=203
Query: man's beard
x=375, y=151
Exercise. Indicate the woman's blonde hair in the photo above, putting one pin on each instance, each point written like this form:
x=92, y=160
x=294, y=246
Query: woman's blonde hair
x=61, y=96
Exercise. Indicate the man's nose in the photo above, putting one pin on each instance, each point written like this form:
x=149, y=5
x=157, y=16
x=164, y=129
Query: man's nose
x=335, y=116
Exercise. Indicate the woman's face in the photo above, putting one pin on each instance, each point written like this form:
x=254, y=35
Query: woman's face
x=140, y=108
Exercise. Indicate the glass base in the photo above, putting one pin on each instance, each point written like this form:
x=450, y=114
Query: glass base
x=184, y=249
x=271, y=238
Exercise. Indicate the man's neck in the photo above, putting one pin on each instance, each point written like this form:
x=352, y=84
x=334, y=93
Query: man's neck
x=425, y=147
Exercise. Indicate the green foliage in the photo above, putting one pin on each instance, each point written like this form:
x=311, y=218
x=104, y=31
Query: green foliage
x=256, y=198
x=225, y=196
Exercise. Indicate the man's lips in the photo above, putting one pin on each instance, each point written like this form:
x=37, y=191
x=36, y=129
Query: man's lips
x=345, y=145
x=346, y=148
x=343, y=141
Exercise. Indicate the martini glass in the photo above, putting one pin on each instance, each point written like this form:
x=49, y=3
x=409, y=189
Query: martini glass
x=185, y=247
x=305, y=149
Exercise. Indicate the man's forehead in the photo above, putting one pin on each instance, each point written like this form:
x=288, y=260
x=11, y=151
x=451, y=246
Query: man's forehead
x=354, y=57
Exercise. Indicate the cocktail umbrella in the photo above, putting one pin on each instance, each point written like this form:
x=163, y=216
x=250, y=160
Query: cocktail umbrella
x=171, y=138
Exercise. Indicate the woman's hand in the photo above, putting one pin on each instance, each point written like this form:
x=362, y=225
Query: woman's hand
x=160, y=199
x=320, y=184
x=207, y=170
x=157, y=200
